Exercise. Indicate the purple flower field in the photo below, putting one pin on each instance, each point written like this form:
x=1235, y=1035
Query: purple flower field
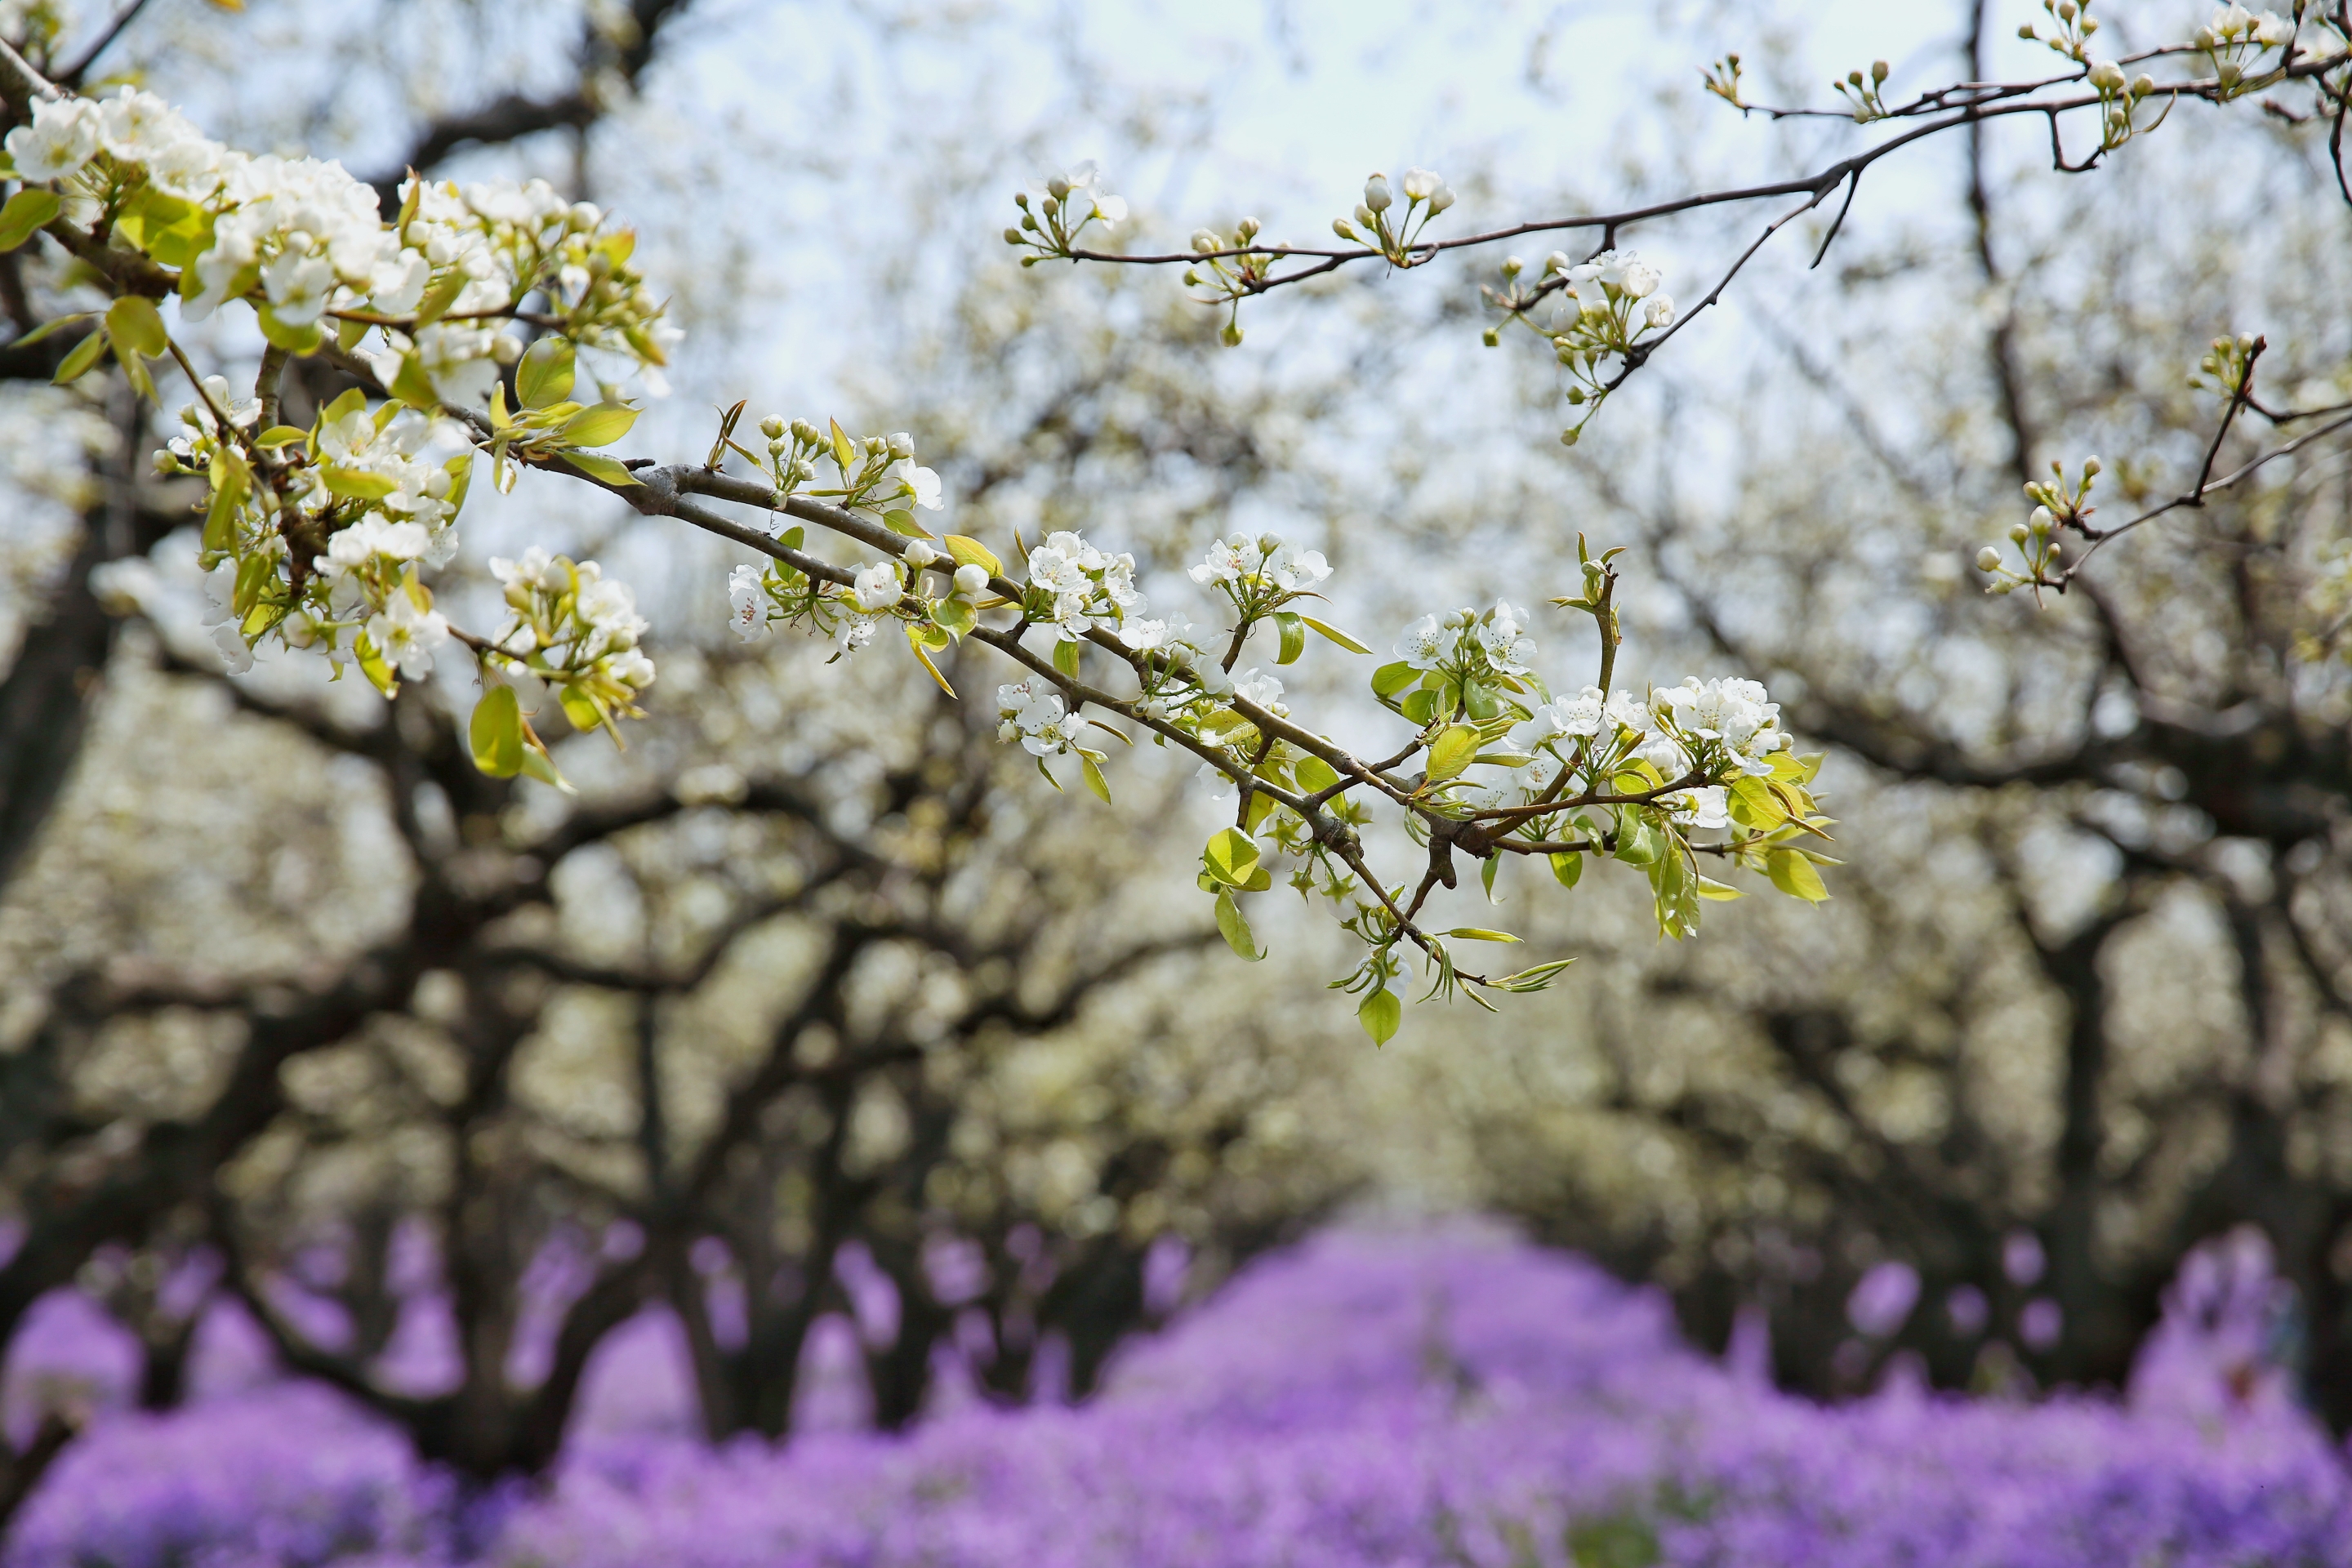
x=1441, y=1398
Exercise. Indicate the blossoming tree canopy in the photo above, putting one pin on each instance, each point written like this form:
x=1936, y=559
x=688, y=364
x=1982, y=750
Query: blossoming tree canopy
x=498, y=324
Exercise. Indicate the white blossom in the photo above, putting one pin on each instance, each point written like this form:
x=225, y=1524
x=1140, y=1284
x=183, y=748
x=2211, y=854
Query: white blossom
x=747, y=602
x=1229, y=561
x=236, y=653
x=536, y=569
x=920, y=484
x=63, y=136
x=1502, y=633
x=972, y=580
x=406, y=635
x=1426, y=644
x=1296, y=571
x=876, y=588
x=1262, y=689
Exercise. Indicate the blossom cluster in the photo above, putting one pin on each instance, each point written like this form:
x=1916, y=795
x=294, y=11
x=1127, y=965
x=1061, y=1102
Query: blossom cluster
x=575, y=630
x=1077, y=588
x=1440, y=1397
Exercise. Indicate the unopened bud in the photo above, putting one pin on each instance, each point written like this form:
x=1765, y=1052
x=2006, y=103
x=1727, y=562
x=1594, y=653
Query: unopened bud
x=918, y=554
x=1012, y=236
x=806, y=433
x=1513, y=267
x=1057, y=188
x=1988, y=559
x=2092, y=467
x=2142, y=85
x=1231, y=335
x=1343, y=228
x=972, y=580
x=2108, y=77
x=773, y=428
x=2018, y=534
x=505, y=349
x=1248, y=229
x=1021, y=200
x=1490, y=337
x=1376, y=192
x=1878, y=70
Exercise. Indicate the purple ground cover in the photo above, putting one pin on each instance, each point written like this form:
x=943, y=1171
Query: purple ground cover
x=1446, y=1398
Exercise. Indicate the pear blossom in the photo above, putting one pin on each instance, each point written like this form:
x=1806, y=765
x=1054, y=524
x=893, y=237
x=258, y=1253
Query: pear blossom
x=1229, y=561
x=1058, y=571
x=747, y=602
x=236, y=653
x=1261, y=689
x=1426, y=644
x=535, y=569
x=63, y=136
x=876, y=588
x=920, y=484
x=1422, y=185
x=1501, y=633
x=1296, y=571
x=406, y=635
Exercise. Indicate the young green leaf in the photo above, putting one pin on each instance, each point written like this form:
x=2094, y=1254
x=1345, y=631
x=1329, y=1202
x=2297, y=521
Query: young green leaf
x=1479, y=934
x=966, y=552
x=1094, y=774
x=607, y=469
x=1065, y=658
x=85, y=355
x=1567, y=867
x=1292, y=629
x=1794, y=874
x=898, y=520
x=1379, y=1014
x=26, y=213
x=600, y=425
x=1314, y=774
x=136, y=327
x=1336, y=635
x=845, y=451
x=1392, y=678
x=1232, y=857
x=1451, y=752
x=496, y=733
x=1236, y=929
x=545, y=375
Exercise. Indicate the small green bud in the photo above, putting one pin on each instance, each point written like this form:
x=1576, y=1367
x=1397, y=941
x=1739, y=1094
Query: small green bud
x=1878, y=70
x=2092, y=467
x=1232, y=334
x=1490, y=337
x=1576, y=397
x=2018, y=534
x=1343, y=228
x=773, y=428
x=1568, y=437
x=1012, y=236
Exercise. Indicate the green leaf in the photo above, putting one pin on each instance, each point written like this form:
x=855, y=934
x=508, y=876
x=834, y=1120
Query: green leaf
x=845, y=451
x=1379, y=1014
x=1232, y=857
x=1487, y=869
x=253, y=574
x=1482, y=704
x=1638, y=842
x=76, y=364
x=954, y=615
x=1336, y=635
x=1392, y=678
x=1534, y=979
x=1479, y=934
x=26, y=212
x=1236, y=931
x=413, y=387
x=538, y=764
x=349, y=333
x=607, y=469
x=1095, y=780
x=1420, y=706
x=1568, y=866
x=1293, y=630
x=1717, y=892
x=599, y=426
x=441, y=295
x=544, y=374
x=898, y=520
x=136, y=325
x=294, y=340
x=581, y=709
x=1314, y=774
x=1794, y=874
x=966, y=552
x=496, y=733
x=279, y=436
x=1065, y=658
x=357, y=484
x=48, y=328
x=1451, y=752
x=460, y=470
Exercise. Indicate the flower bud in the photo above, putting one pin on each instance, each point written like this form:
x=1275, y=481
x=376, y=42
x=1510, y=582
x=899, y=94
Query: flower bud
x=773, y=428
x=899, y=444
x=1878, y=70
x=2027, y=33
x=1376, y=192
x=1205, y=241
x=1988, y=559
x=1021, y=200
x=2018, y=534
x=583, y=216
x=1057, y=188
x=1248, y=229
x=2108, y=77
x=1490, y=337
x=1343, y=228
x=918, y=554
x=505, y=349
x=1012, y=236
x=971, y=580
x=2142, y=85
x=2041, y=521
x=2066, y=10
x=1231, y=335
x=2092, y=468
x=1513, y=267
x=1364, y=216
x=806, y=433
